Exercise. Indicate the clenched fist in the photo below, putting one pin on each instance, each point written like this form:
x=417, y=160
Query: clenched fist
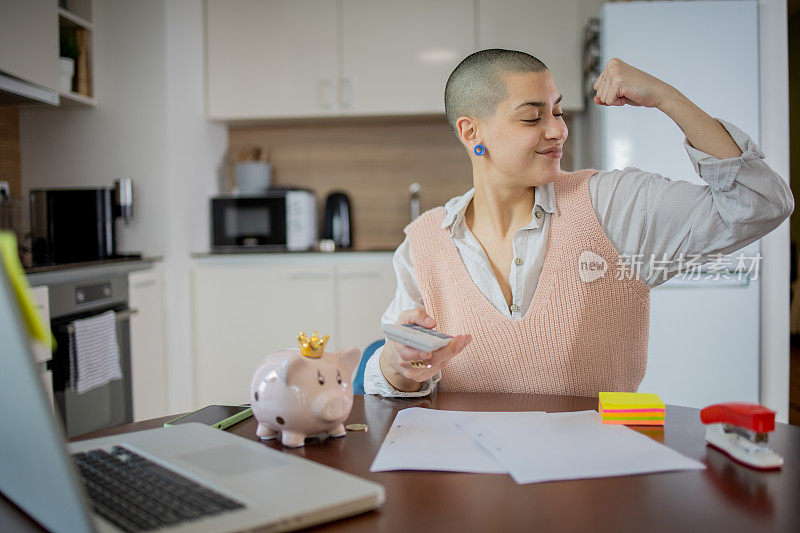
x=620, y=84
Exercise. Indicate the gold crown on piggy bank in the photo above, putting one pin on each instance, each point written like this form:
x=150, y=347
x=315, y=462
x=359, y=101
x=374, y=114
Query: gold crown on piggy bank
x=313, y=346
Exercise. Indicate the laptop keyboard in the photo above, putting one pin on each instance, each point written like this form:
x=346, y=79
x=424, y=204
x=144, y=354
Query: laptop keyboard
x=137, y=494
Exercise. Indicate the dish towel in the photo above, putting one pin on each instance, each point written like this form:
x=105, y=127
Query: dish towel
x=94, y=352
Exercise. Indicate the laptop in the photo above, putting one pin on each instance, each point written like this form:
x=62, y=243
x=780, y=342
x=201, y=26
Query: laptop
x=190, y=477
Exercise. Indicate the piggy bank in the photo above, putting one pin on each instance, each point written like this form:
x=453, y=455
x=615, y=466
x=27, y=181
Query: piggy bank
x=303, y=392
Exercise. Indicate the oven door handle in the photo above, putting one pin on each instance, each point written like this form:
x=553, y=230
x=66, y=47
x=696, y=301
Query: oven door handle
x=125, y=314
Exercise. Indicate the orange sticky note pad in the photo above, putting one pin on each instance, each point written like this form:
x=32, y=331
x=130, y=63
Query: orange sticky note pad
x=635, y=422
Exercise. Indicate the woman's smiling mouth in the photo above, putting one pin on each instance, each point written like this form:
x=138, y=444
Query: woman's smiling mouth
x=555, y=152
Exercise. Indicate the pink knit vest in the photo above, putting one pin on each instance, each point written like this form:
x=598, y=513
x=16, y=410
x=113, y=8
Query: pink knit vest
x=577, y=338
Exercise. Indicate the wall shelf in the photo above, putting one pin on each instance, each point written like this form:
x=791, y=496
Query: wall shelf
x=75, y=19
x=73, y=98
x=77, y=25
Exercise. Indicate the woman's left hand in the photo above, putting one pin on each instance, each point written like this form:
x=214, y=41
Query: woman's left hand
x=620, y=84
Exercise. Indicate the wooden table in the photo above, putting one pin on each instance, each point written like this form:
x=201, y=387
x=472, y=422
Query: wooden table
x=724, y=497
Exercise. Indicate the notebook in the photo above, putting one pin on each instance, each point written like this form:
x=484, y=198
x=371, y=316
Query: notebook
x=204, y=479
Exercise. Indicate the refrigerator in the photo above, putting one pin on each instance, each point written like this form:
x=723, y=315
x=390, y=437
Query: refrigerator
x=704, y=333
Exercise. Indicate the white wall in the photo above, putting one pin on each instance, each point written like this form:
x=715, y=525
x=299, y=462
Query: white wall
x=148, y=125
x=195, y=150
x=774, y=77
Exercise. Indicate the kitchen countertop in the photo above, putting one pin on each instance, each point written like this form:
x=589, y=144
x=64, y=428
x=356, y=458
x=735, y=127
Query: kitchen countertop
x=308, y=258
x=54, y=274
x=82, y=264
x=285, y=252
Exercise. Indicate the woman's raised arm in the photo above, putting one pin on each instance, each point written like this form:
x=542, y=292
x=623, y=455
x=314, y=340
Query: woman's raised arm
x=622, y=84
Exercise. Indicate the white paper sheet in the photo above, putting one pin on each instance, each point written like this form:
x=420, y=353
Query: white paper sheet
x=428, y=439
x=551, y=448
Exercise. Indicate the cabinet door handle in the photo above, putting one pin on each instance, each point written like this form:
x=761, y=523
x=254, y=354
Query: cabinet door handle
x=143, y=283
x=120, y=317
x=351, y=275
x=678, y=283
x=346, y=93
x=310, y=275
x=325, y=94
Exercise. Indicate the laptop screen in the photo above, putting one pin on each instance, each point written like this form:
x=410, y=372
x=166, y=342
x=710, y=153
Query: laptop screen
x=35, y=472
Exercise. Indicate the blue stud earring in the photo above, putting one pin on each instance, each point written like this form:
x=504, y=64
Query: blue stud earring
x=480, y=149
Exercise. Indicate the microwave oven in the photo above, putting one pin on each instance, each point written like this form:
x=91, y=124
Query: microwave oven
x=278, y=220
x=72, y=225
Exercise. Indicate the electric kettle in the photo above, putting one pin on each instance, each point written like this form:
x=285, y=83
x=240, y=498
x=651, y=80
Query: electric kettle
x=338, y=222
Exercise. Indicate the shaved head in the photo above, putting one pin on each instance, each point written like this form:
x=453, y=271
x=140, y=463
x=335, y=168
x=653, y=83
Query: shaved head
x=476, y=86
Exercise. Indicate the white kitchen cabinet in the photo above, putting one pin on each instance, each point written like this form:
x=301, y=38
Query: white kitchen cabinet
x=248, y=307
x=550, y=31
x=271, y=59
x=364, y=291
x=316, y=58
x=148, y=345
x=397, y=56
x=243, y=312
x=29, y=41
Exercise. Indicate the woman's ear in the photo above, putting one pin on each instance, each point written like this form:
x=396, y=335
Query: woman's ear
x=467, y=132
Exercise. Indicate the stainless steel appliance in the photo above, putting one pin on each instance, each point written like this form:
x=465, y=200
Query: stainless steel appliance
x=413, y=199
x=123, y=199
x=281, y=219
x=77, y=224
x=108, y=405
x=338, y=225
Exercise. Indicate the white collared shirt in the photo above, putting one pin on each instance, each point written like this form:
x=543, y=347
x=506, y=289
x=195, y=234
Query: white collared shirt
x=643, y=214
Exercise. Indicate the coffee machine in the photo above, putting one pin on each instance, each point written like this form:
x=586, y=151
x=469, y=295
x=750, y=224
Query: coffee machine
x=71, y=225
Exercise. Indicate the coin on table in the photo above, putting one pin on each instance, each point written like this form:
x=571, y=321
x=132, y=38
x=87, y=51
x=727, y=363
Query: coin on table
x=356, y=427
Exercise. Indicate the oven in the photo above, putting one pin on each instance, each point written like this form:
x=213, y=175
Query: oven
x=106, y=405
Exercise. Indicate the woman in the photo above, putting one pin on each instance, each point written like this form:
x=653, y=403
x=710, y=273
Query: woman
x=521, y=267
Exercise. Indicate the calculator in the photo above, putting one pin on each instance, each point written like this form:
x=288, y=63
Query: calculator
x=417, y=337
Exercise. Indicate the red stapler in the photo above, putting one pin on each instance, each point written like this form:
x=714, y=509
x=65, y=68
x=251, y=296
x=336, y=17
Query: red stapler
x=741, y=430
